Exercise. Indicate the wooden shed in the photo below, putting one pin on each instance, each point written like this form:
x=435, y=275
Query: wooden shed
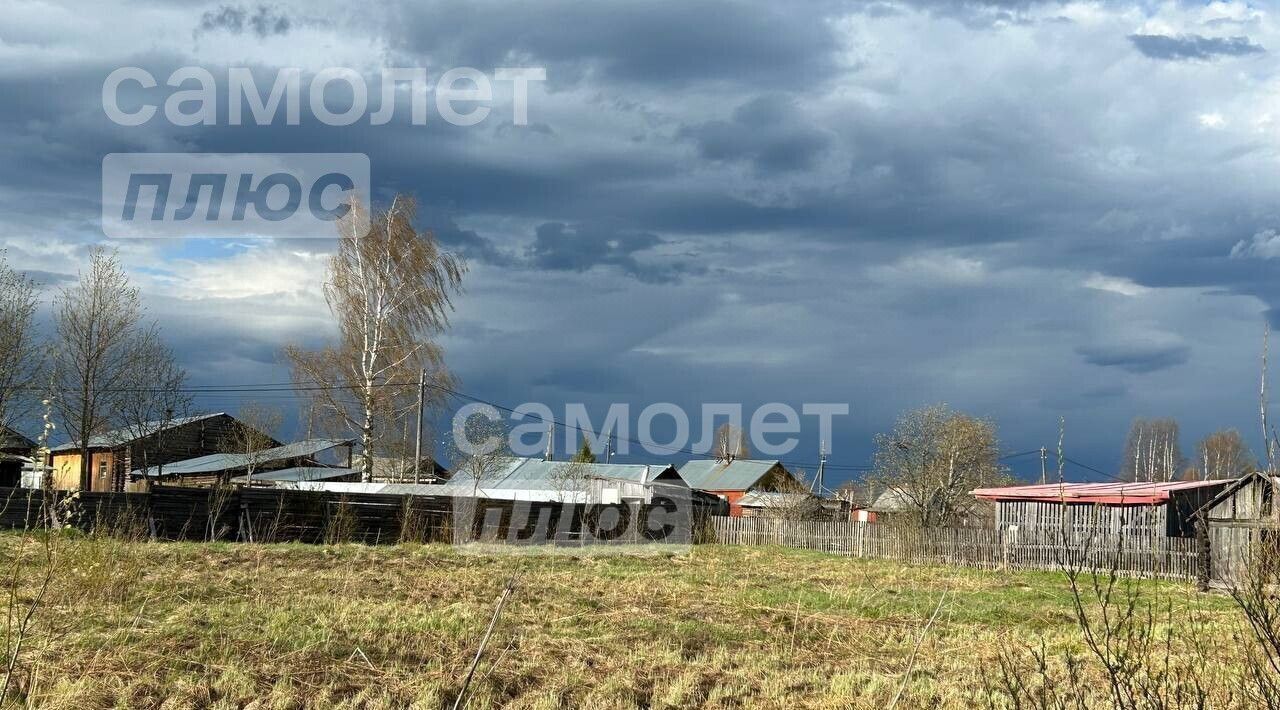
x=1243, y=514
x=1154, y=510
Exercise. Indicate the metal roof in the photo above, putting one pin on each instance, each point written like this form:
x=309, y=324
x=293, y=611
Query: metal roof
x=736, y=475
x=125, y=435
x=536, y=474
x=1109, y=493
x=11, y=438
x=216, y=463
x=769, y=499
x=298, y=473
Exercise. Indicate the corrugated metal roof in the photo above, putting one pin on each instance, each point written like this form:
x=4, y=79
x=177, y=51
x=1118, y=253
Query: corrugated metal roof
x=297, y=474
x=736, y=475
x=124, y=435
x=536, y=474
x=1110, y=493
x=215, y=463
x=770, y=499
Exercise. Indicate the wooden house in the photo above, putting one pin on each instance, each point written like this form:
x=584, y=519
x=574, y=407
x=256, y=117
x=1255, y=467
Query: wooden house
x=115, y=453
x=1165, y=509
x=732, y=479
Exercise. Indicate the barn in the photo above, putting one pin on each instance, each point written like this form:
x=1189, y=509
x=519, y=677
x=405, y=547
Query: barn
x=1165, y=509
x=1243, y=514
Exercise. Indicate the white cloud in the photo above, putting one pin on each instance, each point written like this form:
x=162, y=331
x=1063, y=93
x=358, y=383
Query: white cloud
x=1264, y=245
x=1212, y=120
x=1114, y=284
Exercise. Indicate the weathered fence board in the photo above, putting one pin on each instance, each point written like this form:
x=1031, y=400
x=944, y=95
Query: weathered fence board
x=983, y=548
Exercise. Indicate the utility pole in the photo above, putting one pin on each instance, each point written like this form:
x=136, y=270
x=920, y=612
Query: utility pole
x=822, y=464
x=608, y=449
x=1044, y=455
x=417, y=436
x=551, y=438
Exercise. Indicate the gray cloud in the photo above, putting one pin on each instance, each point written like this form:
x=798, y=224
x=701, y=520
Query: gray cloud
x=560, y=247
x=1193, y=46
x=263, y=21
x=768, y=131
x=1135, y=357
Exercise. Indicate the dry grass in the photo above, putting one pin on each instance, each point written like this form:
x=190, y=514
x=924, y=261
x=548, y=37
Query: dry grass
x=135, y=624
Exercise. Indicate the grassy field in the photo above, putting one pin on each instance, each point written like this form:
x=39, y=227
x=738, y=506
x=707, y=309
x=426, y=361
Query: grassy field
x=195, y=625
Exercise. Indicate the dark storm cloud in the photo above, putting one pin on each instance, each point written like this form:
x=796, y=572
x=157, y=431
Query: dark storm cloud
x=1138, y=357
x=768, y=131
x=655, y=43
x=560, y=247
x=263, y=20
x=1193, y=46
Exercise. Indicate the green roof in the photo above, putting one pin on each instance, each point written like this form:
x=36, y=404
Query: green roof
x=736, y=475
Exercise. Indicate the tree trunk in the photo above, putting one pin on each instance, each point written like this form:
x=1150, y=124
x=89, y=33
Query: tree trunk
x=366, y=445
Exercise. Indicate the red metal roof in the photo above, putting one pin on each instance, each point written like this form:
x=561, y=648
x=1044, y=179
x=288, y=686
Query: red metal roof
x=1107, y=493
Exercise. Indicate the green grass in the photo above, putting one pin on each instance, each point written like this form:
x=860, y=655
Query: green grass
x=194, y=625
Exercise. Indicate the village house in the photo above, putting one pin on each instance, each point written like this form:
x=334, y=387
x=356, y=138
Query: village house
x=731, y=479
x=1152, y=510
x=115, y=453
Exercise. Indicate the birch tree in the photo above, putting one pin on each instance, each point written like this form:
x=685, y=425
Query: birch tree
x=19, y=352
x=97, y=322
x=1152, y=453
x=1223, y=454
x=390, y=291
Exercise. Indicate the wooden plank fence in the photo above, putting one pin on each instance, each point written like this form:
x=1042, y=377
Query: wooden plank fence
x=981, y=548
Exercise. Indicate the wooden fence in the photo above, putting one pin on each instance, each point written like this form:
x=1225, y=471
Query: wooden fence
x=982, y=548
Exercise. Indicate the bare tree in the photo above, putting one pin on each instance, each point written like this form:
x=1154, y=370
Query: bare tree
x=933, y=459
x=731, y=443
x=481, y=451
x=390, y=290
x=19, y=354
x=1152, y=452
x=151, y=399
x=258, y=424
x=97, y=322
x=1223, y=454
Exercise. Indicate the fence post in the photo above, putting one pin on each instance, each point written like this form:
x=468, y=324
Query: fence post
x=1205, y=566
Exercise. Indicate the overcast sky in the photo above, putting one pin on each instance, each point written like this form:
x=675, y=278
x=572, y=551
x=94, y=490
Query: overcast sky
x=1026, y=210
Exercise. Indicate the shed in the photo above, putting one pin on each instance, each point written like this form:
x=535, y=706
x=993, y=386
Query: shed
x=733, y=478
x=563, y=481
x=1242, y=514
x=212, y=468
x=1164, y=509
x=15, y=454
x=299, y=474
x=767, y=504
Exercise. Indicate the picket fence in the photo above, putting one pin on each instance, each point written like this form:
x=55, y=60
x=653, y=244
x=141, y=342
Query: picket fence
x=982, y=548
